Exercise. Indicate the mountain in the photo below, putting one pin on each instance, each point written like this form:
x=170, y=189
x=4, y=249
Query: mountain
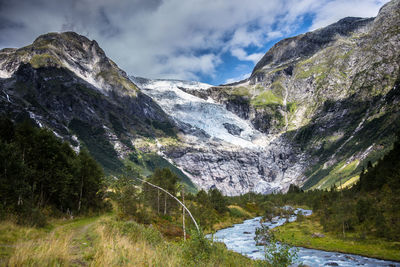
x=316, y=108
x=65, y=82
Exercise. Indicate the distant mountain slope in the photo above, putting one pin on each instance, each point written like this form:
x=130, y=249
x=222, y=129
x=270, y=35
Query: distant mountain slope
x=65, y=82
x=331, y=96
x=316, y=108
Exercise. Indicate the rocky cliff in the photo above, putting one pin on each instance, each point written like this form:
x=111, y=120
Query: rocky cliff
x=315, y=109
x=332, y=92
x=65, y=82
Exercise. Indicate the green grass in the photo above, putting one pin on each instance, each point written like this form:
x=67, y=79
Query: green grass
x=112, y=76
x=300, y=234
x=44, y=60
x=106, y=241
x=339, y=173
x=266, y=98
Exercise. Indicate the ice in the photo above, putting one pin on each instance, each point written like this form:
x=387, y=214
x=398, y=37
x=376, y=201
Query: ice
x=206, y=115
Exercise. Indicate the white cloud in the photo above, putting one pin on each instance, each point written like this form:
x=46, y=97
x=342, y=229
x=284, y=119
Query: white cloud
x=238, y=78
x=338, y=9
x=242, y=55
x=172, y=38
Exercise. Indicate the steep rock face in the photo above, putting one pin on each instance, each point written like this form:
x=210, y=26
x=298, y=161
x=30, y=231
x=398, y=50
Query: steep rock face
x=65, y=82
x=74, y=52
x=308, y=44
x=217, y=148
x=332, y=92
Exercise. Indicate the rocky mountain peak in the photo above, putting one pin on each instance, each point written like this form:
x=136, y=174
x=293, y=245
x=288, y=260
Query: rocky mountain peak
x=309, y=43
x=74, y=52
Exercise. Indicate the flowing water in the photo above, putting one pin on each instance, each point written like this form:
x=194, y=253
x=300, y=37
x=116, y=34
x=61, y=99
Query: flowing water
x=240, y=238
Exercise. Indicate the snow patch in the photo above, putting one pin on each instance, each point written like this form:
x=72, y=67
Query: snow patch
x=206, y=115
x=5, y=74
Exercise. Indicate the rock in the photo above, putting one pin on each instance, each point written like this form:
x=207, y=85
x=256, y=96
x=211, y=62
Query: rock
x=331, y=264
x=319, y=235
x=232, y=129
x=350, y=257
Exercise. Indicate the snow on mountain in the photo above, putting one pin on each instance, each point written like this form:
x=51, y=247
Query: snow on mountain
x=214, y=119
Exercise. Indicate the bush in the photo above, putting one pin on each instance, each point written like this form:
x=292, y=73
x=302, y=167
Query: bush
x=197, y=249
x=276, y=254
x=31, y=217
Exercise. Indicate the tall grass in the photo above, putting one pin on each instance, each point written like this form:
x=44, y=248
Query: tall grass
x=51, y=251
x=111, y=242
x=116, y=249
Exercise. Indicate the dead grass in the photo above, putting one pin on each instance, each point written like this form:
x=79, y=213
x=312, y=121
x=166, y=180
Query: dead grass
x=53, y=250
x=114, y=249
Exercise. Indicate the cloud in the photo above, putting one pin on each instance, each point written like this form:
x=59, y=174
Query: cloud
x=335, y=10
x=172, y=38
x=242, y=55
x=238, y=78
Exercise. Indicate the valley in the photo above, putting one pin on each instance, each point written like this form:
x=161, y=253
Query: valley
x=85, y=147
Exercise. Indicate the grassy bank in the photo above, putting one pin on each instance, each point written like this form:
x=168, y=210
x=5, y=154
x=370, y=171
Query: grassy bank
x=235, y=215
x=106, y=241
x=303, y=234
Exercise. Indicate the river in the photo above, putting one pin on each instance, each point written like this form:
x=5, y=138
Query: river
x=240, y=238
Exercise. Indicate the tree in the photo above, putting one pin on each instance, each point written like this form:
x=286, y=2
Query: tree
x=89, y=173
x=166, y=179
x=218, y=201
x=276, y=254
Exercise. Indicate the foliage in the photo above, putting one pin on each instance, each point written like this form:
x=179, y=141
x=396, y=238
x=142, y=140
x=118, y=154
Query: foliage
x=151, y=161
x=95, y=141
x=265, y=99
x=160, y=201
x=369, y=208
x=276, y=254
x=40, y=171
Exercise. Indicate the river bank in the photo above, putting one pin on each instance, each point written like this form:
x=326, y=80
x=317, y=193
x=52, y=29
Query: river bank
x=240, y=238
x=308, y=233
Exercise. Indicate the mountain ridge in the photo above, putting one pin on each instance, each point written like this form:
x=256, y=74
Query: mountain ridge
x=309, y=115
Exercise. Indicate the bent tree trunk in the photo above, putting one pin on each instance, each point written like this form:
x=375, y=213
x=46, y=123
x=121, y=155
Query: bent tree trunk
x=162, y=189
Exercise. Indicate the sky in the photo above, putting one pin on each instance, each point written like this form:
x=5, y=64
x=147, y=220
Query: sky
x=212, y=41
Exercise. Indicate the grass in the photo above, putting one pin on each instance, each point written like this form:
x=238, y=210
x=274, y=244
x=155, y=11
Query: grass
x=265, y=99
x=44, y=60
x=336, y=175
x=300, y=234
x=51, y=251
x=349, y=183
x=112, y=76
x=236, y=215
x=106, y=241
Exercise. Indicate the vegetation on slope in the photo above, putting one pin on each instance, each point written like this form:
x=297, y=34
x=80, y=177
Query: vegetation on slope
x=363, y=219
x=40, y=174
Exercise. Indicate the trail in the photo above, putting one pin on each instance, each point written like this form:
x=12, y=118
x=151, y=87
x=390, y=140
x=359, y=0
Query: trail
x=82, y=238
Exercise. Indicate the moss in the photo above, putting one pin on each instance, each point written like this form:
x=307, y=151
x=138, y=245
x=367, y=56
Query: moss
x=241, y=91
x=44, y=60
x=291, y=107
x=278, y=89
x=299, y=233
x=317, y=70
x=266, y=98
x=112, y=76
x=338, y=175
